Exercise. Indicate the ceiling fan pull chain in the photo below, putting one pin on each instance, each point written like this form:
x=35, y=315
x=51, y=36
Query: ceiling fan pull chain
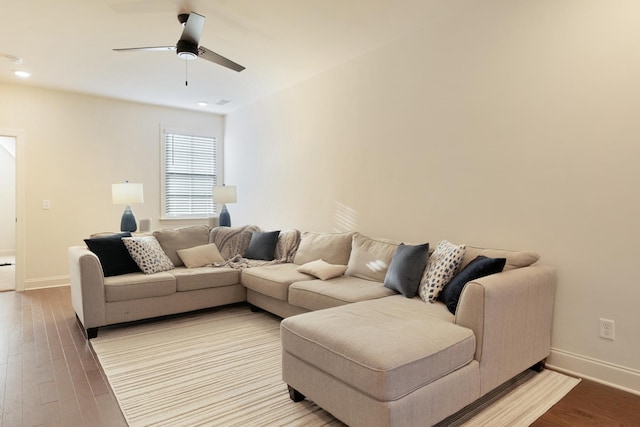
x=186, y=72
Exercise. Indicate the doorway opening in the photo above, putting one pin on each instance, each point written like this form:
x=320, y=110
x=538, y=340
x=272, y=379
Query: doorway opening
x=8, y=146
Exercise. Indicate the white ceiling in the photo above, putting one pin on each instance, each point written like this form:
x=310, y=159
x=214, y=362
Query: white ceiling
x=67, y=44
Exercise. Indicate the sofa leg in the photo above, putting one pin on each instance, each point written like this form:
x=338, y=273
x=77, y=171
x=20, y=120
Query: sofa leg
x=295, y=395
x=91, y=333
x=88, y=333
x=254, y=309
x=538, y=367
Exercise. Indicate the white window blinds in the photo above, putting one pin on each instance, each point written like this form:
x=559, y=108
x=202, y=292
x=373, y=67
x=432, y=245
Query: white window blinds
x=189, y=175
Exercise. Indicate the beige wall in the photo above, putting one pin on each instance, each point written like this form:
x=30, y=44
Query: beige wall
x=7, y=196
x=76, y=147
x=513, y=125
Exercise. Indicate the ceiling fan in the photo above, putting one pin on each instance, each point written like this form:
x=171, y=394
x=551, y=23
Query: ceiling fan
x=188, y=46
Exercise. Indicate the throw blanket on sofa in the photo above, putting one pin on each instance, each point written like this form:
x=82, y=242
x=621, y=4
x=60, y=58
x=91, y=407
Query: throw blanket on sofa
x=232, y=242
x=239, y=263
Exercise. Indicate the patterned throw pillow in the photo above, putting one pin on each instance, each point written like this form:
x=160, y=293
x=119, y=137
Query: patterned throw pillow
x=148, y=254
x=442, y=265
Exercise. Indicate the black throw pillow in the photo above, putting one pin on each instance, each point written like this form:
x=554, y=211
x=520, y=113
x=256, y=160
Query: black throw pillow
x=262, y=245
x=113, y=254
x=479, y=267
x=406, y=269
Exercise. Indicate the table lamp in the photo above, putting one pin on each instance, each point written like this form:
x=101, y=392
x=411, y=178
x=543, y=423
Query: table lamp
x=127, y=194
x=223, y=194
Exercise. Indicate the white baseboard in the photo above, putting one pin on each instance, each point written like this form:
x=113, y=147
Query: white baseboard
x=46, y=282
x=612, y=375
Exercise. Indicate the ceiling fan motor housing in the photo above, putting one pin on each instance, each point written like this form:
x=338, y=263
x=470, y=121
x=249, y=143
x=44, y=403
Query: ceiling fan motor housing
x=187, y=49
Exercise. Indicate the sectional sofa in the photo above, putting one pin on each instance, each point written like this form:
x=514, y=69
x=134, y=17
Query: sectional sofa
x=358, y=337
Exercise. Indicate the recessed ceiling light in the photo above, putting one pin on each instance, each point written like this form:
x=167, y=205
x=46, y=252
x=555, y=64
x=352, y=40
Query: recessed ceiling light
x=22, y=74
x=202, y=103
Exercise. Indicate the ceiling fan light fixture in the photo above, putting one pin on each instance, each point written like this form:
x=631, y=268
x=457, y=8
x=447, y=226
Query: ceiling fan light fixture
x=188, y=56
x=187, y=50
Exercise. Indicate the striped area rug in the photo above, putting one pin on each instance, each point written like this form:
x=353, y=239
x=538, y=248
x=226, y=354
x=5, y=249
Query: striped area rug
x=222, y=368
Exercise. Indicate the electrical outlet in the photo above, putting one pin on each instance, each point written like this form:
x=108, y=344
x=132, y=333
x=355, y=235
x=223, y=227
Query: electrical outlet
x=607, y=329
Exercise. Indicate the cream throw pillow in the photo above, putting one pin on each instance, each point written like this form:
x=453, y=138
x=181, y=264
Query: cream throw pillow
x=322, y=269
x=200, y=256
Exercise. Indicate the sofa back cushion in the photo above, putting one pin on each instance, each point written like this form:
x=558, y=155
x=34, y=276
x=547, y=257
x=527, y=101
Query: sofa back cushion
x=181, y=238
x=515, y=259
x=232, y=241
x=333, y=248
x=370, y=257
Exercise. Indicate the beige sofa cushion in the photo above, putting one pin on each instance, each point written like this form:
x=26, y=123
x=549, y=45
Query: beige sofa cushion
x=378, y=346
x=138, y=285
x=181, y=238
x=334, y=248
x=190, y=279
x=273, y=280
x=515, y=259
x=370, y=257
x=320, y=294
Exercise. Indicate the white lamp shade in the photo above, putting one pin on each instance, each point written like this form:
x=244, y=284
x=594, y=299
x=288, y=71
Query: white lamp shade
x=223, y=194
x=127, y=193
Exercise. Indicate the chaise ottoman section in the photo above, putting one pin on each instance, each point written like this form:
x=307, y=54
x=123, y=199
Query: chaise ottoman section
x=320, y=294
x=377, y=347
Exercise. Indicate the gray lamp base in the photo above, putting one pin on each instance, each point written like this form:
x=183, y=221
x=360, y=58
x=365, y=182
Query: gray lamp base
x=225, y=218
x=128, y=222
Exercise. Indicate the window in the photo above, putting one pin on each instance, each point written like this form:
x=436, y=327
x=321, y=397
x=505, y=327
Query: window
x=189, y=174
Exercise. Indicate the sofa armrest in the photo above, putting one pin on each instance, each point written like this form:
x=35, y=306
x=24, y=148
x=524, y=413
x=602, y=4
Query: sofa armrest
x=87, y=287
x=510, y=314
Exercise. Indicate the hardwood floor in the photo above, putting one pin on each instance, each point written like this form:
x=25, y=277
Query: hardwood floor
x=593, y=404
x=50, y=376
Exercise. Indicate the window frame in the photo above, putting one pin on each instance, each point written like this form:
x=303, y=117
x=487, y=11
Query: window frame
x=164, y=216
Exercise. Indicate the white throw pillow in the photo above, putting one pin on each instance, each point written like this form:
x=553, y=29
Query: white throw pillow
x=322, y=269
x=148, y=254
x=442, y=265
x=199, y=256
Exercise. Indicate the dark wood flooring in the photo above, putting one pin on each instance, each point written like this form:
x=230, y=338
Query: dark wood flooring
x=50, y=376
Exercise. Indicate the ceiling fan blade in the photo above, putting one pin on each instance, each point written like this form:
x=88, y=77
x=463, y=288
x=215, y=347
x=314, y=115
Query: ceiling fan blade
x=193, y=28
x=209, y=55
x=150, y=49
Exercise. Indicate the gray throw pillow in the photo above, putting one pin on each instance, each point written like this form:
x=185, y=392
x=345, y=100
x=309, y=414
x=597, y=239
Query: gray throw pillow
x=406, y=269
x=262, y=245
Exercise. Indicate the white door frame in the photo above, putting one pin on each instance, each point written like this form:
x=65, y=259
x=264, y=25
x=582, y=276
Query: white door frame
x=20, y=204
